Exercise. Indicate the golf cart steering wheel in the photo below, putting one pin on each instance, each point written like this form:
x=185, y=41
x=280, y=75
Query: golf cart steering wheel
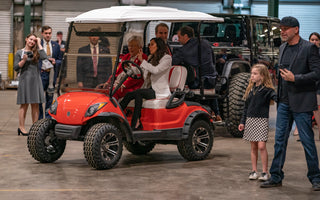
x=129, y=72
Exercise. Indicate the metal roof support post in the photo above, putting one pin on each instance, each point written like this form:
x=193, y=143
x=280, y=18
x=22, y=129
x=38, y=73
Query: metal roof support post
x=27, y=17
x=237, y=5
x=200, y=61
x=273, y=8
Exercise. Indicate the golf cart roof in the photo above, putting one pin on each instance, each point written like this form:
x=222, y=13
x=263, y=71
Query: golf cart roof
x=117, y=14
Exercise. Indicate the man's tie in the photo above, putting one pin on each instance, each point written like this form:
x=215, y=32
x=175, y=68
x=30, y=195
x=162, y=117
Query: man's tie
x=95, y=62
x=48, y=50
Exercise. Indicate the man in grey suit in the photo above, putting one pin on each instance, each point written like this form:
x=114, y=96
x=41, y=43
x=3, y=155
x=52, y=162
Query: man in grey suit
x=299, y=70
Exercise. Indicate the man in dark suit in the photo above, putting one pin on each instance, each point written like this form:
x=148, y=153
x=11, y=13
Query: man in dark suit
x=299, y=70
x=94, y=68
x=54, y=56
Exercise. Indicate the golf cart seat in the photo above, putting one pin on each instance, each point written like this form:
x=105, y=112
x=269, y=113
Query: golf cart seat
x=177, y=79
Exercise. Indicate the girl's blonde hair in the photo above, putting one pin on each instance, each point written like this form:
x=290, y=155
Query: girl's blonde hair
x=266, y=79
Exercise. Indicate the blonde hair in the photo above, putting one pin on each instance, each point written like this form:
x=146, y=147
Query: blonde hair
x=136, y=38
x=266, y=79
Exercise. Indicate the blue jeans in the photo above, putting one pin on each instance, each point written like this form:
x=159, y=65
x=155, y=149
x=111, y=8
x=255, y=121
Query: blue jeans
x=49, y=97
x=284, y=122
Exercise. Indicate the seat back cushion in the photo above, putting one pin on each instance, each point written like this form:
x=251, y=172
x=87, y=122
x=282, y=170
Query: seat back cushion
x=177, y=77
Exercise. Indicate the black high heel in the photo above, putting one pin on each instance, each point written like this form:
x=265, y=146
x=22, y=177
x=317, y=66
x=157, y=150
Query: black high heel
x=139, y=127
x=23, y=134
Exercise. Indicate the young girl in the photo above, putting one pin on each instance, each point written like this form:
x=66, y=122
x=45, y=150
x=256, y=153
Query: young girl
x=254, y=121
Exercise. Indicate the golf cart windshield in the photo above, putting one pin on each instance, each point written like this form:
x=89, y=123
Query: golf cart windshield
x=91, y=56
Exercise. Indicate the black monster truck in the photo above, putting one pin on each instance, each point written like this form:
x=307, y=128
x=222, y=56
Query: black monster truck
x=238, y=43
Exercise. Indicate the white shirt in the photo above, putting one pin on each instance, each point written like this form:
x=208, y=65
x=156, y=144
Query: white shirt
x=97, y=51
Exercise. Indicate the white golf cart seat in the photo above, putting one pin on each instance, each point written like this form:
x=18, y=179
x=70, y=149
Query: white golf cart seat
x=177, y=79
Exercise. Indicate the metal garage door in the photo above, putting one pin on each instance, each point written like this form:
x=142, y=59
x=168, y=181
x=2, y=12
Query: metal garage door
x=308, y=15
x=57, y=21
x=56, y=11
x=5, y=42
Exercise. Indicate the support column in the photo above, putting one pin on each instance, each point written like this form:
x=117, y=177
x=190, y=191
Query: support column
x=273, y=8
x=27, y=17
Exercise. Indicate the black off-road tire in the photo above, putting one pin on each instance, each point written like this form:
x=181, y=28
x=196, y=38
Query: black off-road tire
x=103, y=146
x=199, y=142
x=43, y=145
x=139, y=149
x=237, y=88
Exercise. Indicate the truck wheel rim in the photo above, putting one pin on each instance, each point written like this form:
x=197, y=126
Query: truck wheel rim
x=200, y=140
x=109, y=146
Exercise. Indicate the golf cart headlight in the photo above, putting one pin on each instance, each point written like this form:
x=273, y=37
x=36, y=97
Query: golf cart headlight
x=94, y=108
x=53, y=107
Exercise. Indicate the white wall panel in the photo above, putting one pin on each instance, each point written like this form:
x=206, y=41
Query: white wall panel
x=5, y=42
x=308, y=16
x=57, y=21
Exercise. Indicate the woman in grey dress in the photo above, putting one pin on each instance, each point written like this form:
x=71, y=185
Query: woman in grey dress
x=30, y=90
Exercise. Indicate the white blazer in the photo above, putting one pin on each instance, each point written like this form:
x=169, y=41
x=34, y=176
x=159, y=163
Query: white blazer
x=159, y=75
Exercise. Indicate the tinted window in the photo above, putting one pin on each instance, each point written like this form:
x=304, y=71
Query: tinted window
x=228, y=33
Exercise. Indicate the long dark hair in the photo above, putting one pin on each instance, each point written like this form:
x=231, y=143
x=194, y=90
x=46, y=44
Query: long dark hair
x=316, y=34
x=34, y=49
x=161, y=51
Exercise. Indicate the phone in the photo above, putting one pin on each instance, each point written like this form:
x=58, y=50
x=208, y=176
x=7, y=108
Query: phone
x=281, y=66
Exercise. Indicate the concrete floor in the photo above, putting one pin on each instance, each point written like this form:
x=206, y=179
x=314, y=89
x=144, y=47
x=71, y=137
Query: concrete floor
x=162, y=174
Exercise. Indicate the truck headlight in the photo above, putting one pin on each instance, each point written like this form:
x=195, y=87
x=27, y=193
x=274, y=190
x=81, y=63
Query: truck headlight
x=94, y=108
x=53, y=107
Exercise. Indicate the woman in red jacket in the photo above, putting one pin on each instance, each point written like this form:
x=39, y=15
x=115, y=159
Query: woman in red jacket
x=129, y=85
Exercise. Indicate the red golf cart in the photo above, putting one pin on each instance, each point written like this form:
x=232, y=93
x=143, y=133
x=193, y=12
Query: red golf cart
x=94, y=116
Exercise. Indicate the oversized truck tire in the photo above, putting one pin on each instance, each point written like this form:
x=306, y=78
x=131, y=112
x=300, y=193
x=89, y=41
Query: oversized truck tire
x=237, y=88
x=103, y=146
x=42, y=142
x=199, y=142
x=139, y=149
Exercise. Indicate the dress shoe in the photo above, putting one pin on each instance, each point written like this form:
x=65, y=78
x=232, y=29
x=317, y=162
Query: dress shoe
x=20, y=132
x=270, y=183
x=218, y=118
x=316, y=186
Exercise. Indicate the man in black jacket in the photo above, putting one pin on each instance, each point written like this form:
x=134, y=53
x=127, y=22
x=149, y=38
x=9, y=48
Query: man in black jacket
x=188, y=56
x=299, y=70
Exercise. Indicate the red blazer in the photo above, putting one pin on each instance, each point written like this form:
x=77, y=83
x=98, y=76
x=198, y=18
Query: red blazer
x=130, y=84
